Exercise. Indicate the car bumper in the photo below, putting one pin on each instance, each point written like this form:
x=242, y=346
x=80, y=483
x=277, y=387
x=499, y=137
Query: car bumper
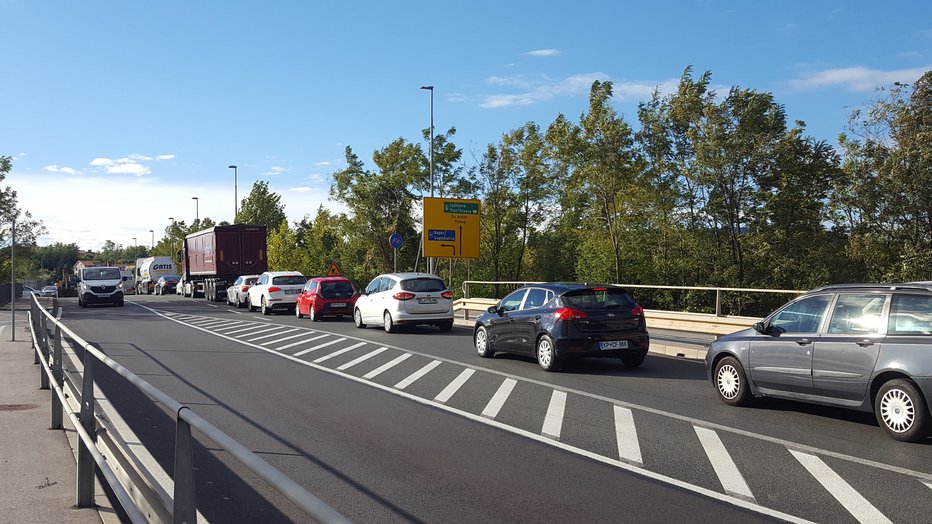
x=102, y=298
x=328, y=309
x=589, y=347
x=400, y=317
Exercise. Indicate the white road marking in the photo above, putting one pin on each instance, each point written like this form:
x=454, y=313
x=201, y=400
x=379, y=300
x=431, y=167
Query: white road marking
x=363, y=358
x=553, y=421
x=1, y=329
x=286, y=338
x=928, y=484
x=298, y=343
x=238, y=312
x=340, y=352
x=454, y=386
x=237, y=327
x=498, y=399
x=627, y=436
x=270, y=328
x=315, y=348
x=220, y=323
x=212, y=305
x=417, y=374
x=275, y=334
x=856, y=504
x=728, y=474
x=386, y=366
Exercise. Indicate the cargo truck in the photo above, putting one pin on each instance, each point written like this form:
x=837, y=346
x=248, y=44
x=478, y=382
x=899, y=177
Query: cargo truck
x=148, y=270
x=213, y=258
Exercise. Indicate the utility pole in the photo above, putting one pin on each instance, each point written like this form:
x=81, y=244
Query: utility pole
x=13, y=284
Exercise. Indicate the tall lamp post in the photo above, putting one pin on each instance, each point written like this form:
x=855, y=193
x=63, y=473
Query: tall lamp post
x=235, y=197
x=430, y=261
x=197, y=212
x=152, y=244
x=134, y=241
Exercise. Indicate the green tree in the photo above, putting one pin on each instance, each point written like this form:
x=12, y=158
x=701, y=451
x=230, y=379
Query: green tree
x=28, y=230
x=261, y=207
x=284, y=254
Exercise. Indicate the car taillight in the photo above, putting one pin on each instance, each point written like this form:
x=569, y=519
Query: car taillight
x=447, y=295
x=566, y=313
x=403, y=296
x=274, y=289
x=638, y=311
x=245, y=288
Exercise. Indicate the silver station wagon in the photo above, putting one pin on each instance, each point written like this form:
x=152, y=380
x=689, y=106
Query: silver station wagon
x=866, y=347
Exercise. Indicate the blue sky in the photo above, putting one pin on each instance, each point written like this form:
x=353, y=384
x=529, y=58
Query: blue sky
x=117, y=113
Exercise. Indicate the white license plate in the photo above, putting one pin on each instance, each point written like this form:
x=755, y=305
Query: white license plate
x=292, y=291
x=338, y=304
x=613, y=344
x=427, y=300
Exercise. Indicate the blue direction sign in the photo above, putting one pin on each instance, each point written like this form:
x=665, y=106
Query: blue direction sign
x=443, y=235
x=395, y=241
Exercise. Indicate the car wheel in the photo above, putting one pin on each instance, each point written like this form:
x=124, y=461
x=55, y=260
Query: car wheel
x=249, y=305
x=266, y=310
x=445, y=326
x=297, y=311
x=481, y=341
x=547, y=353
x=238, y=302
x=120, y=303
x=357, y=318
x=633, y=361
x=310, y=313
x=731, y=382
x=901, y=411
x=388, y=323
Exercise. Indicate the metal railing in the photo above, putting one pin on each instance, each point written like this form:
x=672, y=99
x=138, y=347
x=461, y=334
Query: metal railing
x=718, y=290
x=48, y=352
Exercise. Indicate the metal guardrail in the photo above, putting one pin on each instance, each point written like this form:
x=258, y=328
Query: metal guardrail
x=718, y=290
x=48, y=352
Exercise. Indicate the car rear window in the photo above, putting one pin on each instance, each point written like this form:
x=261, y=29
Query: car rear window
x=290, y=280
x=591, y=299
x=423, y=285
x=335, y=289
x=910, y=315
x=250, y=281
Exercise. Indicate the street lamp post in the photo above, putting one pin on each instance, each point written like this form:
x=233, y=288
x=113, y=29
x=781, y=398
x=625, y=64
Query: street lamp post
x=134, y=241
x=197, y=212
x=235, y=197
x=152, y=244
x=430, y=261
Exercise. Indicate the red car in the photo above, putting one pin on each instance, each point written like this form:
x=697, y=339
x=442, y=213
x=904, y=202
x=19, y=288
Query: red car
x=326, y=296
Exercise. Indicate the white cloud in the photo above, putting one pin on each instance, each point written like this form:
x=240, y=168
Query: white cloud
x=128, y=168
x=62, y=169
x=638, y=91
x=20, y=155
x=521, y=81
x=543, y=52
x=101, y=161
x=273, y=171
x=302, y=189
x=855, y=78
x=165, y=157
x=544, y=89
x=315, y=177
x=324, y=163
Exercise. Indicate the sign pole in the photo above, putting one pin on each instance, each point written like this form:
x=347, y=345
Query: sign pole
x=13, y=284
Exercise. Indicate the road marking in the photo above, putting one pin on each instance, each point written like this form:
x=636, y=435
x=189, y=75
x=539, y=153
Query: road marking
x=257, y=332
x=1, y=329
x=219, y=323
x=212, y=305
x=553, y=421
x=417, y=374
x=363, y=358
x=238, y=312
x=627, y=436
x=928, y=484
x=388, y=365
x=315, y=348
x=284, y=339
x=340, y=352
x=275, y=334
x=498, y=399
x=728, y=474
x=298, y=343
x=856, y=504
x=454, y=386
x=233, y=329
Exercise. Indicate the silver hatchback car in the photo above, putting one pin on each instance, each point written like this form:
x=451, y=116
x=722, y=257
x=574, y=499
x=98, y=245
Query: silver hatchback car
x=866, y=347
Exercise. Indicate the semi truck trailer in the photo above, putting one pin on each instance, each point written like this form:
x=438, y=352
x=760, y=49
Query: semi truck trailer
x=211, y=259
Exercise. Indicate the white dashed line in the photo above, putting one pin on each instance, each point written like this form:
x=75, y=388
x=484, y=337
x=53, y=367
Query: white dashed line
x=275, y=334
x=728, y=474
x=498, y=399
x=315, y=348
x=338, y=353
x=856, y=504
x=277, y=340
x=553, y=421
x=298, y=343
x=417, y=374
x=385, y=367
x=363, y=358
x=271, y=328
x=627, y=436
x=454, y=386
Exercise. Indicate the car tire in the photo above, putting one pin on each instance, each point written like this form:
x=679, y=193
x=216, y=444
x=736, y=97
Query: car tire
x=266, y=310
x=357, y=318
x=481, y=342
x=237, y=302
x=388, y=323
x=546, y=352
x=249, y=305
x=297, y=311
x=445, y=326
x=82, y=303
x=901, y=411
x=731, y=383
x=310, y=313
x=633, y=361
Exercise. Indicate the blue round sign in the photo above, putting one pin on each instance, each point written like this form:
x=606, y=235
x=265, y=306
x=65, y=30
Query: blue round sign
x=395, y=240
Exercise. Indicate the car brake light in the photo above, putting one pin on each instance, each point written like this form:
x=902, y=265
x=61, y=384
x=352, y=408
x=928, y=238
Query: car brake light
x=566, y=313
x=403, y=296
x=447, y=295
x=274, y=289
x=638, y=311
x=245, y=288
x=600, y=289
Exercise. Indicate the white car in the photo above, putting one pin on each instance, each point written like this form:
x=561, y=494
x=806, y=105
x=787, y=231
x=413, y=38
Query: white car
x=28, y=292
x=275, y=290
x=405, y=298
x=49, y=291
x=236, y=294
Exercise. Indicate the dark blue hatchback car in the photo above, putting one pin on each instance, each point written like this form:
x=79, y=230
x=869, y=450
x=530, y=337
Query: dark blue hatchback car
x=557, y=321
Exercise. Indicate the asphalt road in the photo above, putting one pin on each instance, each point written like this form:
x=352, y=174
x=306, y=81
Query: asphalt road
x=416, y=427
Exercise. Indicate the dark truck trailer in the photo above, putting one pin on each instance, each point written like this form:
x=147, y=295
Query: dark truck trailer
x=212, y=259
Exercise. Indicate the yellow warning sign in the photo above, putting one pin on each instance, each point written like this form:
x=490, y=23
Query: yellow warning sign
x=451, y=228
x=334, y=270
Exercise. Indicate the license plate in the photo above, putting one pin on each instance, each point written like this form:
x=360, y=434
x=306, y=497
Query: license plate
x=338, y=304
x=292, y=291
x=427, y=300
x=613, y=344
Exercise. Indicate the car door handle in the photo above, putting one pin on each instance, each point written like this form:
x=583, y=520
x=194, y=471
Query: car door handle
x=804, y=342
x=864, y=343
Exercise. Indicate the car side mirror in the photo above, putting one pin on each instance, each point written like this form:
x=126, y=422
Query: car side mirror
x=494, y=310
x=761, y=328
